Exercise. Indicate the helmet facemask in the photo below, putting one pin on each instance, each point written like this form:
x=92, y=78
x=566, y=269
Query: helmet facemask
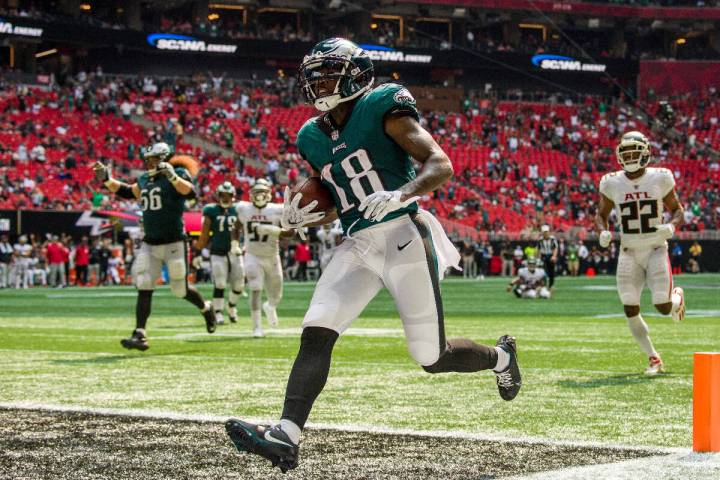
x=260, y=196
x=633, y=152
x=316, y=76
x=225, y=199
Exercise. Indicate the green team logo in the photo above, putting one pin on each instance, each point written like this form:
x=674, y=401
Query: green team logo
x=404, y=96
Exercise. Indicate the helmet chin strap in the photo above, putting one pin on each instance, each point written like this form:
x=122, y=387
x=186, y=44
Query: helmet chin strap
x=327, y=103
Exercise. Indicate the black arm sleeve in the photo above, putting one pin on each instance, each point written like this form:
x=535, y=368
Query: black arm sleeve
x=125, y=191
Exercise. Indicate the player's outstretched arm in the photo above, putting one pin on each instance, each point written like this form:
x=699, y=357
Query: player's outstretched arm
x=419, y=144
x=183, y=186
x=204, y=233
x=121, y=189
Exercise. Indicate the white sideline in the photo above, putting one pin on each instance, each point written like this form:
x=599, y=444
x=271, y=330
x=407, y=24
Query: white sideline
x=359, y=428
x=685, y=466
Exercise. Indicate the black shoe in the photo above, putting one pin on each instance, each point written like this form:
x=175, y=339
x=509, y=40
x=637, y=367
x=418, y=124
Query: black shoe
x=210, y=320
x=137, y=341
x=509, y=380
x=268, y=442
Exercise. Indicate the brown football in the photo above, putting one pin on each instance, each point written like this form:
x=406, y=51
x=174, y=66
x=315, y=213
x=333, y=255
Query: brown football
x=313, y=189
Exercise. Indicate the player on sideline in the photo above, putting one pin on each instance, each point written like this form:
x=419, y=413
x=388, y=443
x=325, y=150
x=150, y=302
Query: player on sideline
x=362, y=146
x=260, y=221
x=530, y=282
x=162, y=191
x=219, y=220
x=638, y=194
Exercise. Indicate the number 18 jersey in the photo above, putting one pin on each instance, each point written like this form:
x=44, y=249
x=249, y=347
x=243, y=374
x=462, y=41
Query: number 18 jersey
x=638, y=203
x=251, y=216
x=358, y=158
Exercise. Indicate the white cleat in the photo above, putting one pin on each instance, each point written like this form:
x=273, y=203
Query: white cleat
x=656, y=366
x=219, y=319
x=244, y=293
x=232, y=313
x=271, y=314
x=258, y=333
x=678, y=314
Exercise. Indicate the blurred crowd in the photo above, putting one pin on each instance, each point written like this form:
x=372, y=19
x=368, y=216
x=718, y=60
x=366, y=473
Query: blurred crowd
x=518, y=164
x=59, y=260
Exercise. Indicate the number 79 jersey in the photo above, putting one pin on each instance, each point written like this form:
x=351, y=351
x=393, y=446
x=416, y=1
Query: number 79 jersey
x=358, y=158
x=639, y=203
x=251, y=216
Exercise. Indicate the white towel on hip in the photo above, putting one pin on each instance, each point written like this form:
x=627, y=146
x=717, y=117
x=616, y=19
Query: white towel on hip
x=447, y=254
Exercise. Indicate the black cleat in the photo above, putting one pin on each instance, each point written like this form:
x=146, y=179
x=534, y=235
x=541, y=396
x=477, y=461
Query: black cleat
x=509, y=380
x=268, y=442
x=137, y=341
x=209, y=315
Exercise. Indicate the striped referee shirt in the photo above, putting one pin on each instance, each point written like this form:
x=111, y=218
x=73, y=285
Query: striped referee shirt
x=546, y=246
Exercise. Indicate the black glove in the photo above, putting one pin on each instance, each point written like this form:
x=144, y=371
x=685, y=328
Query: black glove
x=102, y=172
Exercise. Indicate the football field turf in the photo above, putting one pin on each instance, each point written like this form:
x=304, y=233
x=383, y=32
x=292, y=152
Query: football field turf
x=582, y=381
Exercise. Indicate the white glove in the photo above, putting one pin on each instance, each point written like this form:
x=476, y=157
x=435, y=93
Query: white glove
x=164, y=168
x=272, y=230
x=235, y=248
x=665, y=230
x=379, y=204
x=605, y=238
x=295, y=217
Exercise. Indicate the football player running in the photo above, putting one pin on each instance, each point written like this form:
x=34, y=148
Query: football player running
x=330, y=237
x=219, y=229
x=260, y=221
x=530, y=282
x=638, y=193
x=162, y=191
x=361, y=146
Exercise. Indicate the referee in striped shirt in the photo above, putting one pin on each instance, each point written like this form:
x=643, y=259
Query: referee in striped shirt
x=548, y=248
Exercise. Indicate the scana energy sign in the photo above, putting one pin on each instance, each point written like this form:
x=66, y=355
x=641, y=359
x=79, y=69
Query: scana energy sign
x=10, y=29
x=387, y=54
x=558, y=62
x=183, y=43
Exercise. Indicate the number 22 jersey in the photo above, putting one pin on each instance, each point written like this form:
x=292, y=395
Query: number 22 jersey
x=639, y=203
x=251, y=216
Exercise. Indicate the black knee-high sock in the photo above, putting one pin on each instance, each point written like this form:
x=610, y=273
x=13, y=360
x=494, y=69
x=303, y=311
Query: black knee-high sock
x=143, y=307
x=464, y=355
x=309, y=373
x=194, y=297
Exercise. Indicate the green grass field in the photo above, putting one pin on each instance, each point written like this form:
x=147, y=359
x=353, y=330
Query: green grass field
x=582, y=370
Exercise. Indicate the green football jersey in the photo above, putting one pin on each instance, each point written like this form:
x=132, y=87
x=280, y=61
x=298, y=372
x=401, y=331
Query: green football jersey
x=358, y=158
x=222, y=224
x=162, y=207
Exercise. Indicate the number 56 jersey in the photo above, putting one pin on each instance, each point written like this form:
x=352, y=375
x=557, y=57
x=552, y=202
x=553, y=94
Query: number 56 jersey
x=358, y=158
x=639, y=204
x=264, y=246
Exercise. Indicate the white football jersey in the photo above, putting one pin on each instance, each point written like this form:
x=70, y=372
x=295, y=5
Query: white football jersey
x=252, y=216
x=532, y=279
x=330, y=239
x=638, y=203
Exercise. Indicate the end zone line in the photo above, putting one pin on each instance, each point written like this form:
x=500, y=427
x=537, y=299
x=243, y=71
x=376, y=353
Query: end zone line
x=356, y=428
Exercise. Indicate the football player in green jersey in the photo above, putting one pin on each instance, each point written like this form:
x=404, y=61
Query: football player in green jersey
x=361, y=146
x=162, y=191
x=219, y=220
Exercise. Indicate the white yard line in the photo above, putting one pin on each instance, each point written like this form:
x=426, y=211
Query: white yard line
x=684, y=465
x=359, y=428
